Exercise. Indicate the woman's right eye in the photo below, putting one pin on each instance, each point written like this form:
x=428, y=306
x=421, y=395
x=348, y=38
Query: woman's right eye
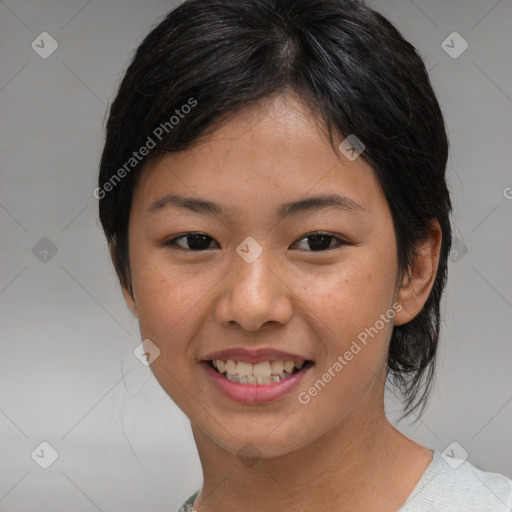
x=197, y=241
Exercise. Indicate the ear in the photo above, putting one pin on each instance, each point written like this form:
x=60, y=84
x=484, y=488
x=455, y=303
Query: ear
x=420, y=276
x=130, y=301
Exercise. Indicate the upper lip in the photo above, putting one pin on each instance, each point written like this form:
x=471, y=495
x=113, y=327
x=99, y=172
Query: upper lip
x=256, y=355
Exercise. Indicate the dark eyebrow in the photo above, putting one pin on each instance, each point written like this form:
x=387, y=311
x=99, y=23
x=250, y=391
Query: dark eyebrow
x=284, y=210
x=317, y=202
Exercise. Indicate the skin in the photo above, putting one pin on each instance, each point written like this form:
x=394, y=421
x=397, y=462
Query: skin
x=338, y=452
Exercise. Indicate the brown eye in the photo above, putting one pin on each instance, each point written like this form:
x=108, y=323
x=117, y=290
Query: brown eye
x=321, y=241
x=196, y=241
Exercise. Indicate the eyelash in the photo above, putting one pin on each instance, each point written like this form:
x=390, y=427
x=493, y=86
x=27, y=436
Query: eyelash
x=340, y=241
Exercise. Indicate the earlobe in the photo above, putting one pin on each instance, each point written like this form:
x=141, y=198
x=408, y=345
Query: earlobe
x=419, y=279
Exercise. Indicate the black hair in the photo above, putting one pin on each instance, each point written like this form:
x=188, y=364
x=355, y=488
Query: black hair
x=349, y=65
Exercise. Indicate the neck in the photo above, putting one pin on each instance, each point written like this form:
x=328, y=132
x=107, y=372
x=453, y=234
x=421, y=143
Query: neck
x=363, y=464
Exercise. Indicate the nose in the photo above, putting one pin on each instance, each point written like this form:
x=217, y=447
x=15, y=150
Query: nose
x=254, y=294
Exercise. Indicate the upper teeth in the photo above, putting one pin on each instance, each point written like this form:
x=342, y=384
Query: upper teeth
x=262, y=369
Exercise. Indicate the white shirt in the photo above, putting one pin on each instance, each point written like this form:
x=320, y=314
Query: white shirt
x=449, y=485
x=453, y=485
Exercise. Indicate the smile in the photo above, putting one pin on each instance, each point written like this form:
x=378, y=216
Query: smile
x=260, y=382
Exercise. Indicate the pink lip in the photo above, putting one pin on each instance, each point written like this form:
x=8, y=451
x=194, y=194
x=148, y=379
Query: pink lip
x=253, y=355
x=255, y=394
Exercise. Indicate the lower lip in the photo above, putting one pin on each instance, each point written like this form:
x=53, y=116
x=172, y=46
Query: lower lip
x=255, y=394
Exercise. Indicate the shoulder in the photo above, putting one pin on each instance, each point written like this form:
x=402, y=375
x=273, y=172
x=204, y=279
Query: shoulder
x=448, y=485
x=188, y=505
x=454, y=485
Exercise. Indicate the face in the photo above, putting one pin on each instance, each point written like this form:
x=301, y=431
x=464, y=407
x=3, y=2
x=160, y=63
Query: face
x=310, y=280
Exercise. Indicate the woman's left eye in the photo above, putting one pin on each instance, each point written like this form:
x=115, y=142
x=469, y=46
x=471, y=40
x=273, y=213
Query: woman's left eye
x=199, y=241
x=320, y=241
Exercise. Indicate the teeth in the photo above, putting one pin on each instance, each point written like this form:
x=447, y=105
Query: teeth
x=265, y=372
x=231, y=367
x=276, y=367
x=261, y=369
x=264, y=380
x=256, y=380
x=288, y=366
x=244, y=369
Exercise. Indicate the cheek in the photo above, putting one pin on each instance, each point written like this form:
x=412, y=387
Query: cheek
x=347, y=309
x=353, y=295
x=168, y=302
x=167, y=296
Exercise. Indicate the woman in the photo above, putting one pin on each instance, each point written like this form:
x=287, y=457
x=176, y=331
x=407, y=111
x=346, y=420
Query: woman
x=272, y=189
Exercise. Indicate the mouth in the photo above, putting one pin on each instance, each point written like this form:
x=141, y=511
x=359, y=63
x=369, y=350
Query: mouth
x=257, y=374
x=258, y=383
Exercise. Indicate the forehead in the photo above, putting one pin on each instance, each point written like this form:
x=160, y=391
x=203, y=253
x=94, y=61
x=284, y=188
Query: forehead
x=268, y=152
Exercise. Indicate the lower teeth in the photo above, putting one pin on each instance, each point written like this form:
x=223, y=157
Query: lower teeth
x=256, y=381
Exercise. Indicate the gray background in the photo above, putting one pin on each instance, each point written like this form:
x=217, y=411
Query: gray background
x=67, y=372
